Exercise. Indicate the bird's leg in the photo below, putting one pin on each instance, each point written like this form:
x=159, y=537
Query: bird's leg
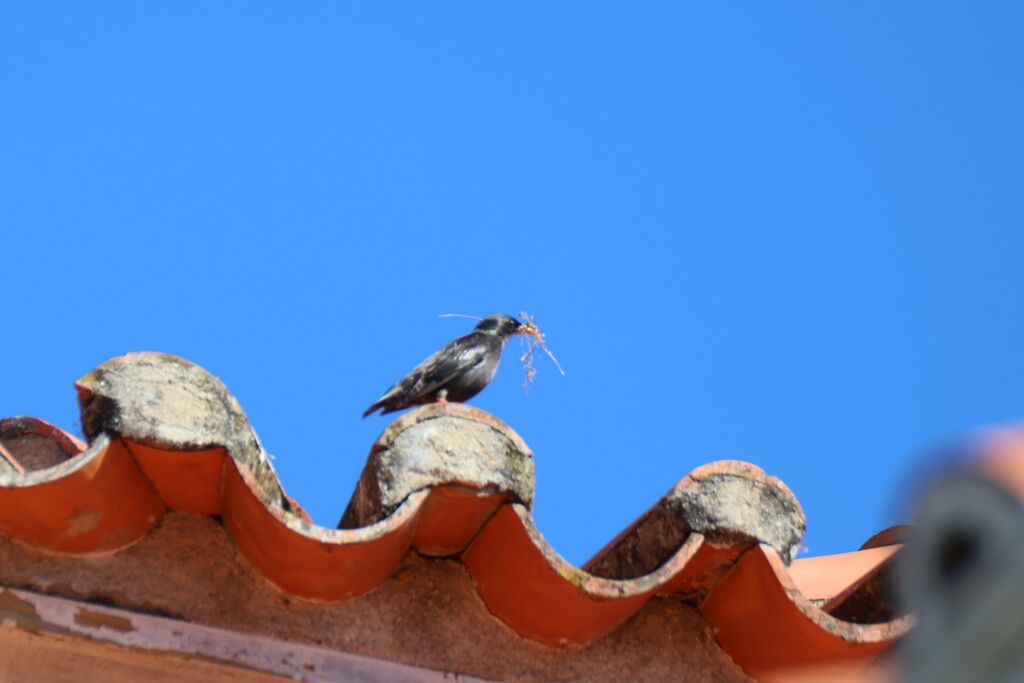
x=442, y=396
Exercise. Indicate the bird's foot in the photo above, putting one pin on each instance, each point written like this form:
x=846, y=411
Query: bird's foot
x=442, y=396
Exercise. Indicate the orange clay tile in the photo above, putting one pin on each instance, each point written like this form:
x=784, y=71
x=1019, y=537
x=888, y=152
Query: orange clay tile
x=68, y=444
x=188, y=481
x=540, y=595
x=452, y=516
x=111, y=494
x=97, y=501
x=1000, y=457
x=894, y=535
x=823, y=578
x=311, y=561
x=764, y=622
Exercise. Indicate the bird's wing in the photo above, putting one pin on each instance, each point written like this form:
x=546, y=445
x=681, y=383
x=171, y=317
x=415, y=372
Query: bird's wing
x=438, y=370
x=458, y=357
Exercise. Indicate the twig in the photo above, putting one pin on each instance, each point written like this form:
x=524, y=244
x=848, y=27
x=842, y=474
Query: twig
x=531, y=330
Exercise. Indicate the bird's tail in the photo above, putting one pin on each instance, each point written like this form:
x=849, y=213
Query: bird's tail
x=383, y=402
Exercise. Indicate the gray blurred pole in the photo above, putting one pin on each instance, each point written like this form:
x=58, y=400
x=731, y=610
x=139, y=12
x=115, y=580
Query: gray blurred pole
x=962, y=573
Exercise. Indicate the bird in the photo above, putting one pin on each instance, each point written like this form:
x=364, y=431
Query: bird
x=456, y=372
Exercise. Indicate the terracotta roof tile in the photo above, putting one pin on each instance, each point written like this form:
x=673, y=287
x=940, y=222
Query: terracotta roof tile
x=824, y=578
x=720, y=538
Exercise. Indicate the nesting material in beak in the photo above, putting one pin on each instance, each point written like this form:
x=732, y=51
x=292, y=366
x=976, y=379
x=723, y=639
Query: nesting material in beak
x=536, y=339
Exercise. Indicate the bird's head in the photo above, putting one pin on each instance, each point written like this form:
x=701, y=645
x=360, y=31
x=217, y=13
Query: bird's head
x=500, y=324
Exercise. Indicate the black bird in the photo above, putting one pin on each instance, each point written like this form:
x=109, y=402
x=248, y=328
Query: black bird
x=458, y=372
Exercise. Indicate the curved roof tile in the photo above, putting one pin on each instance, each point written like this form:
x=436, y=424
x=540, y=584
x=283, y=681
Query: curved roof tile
x=166, y=434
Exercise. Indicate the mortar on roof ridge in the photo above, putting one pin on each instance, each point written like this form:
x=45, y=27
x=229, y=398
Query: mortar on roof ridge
x=164, y=401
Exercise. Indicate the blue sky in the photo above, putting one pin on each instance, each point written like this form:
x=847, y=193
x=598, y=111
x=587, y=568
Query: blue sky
x=789, y=234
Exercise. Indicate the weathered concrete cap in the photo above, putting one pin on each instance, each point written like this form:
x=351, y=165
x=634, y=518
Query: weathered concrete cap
x=440, y=444
x=730, y=498
x=164, y=401
x=730, y=502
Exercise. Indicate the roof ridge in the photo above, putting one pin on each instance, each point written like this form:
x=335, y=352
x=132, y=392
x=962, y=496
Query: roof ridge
x=166, y=434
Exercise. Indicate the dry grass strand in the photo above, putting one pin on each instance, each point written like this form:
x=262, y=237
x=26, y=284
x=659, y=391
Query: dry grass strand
x=533, y=339
x=460, y=315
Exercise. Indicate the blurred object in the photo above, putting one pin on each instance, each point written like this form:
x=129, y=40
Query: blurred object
x=962, y=571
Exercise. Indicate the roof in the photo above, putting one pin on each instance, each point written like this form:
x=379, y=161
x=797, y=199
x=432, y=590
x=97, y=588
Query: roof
x=166, y=438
